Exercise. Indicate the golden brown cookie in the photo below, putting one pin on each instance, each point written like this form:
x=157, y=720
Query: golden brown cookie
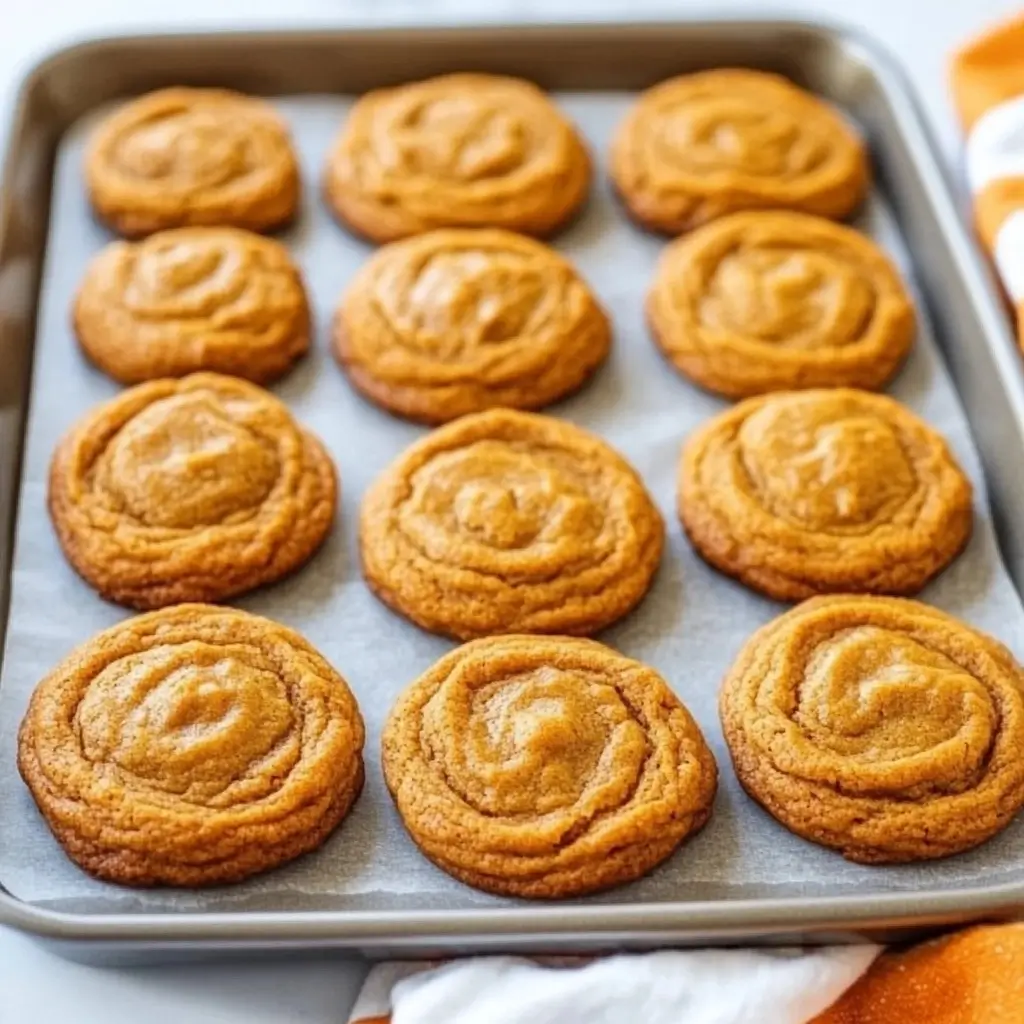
x=882, y=728
x=771, y=301
x=179, y=157
x=193, y=299
x=545, y=766
x=191, y=746
x=801, y=493
x=509, y=522
x=189, y=490
x=699, y=146
x=456, y=151
x=458, y=321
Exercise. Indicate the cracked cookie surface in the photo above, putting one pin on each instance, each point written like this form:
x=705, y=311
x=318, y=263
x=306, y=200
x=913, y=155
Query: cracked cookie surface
x=545, y=767
x=699, y=146
x=189, y=490
x=510, y=522
x=178, y=157
x=461, y=150
x=770, y=301
x=191, y=746
x=880, y=727
x=193, y=299
x=457, y=321
x=801, y=493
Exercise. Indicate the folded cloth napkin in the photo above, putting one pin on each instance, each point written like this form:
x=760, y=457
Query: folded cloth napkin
x=970, y=977
x=695, y=987
x=987, y=79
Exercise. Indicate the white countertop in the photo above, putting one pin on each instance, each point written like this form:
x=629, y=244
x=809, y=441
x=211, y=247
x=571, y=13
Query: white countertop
x=36, y=986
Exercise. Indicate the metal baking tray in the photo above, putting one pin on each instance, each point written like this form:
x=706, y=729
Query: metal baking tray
x=955, y=290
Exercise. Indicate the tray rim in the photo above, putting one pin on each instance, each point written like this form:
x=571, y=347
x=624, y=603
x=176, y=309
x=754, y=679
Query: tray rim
x=722, y=920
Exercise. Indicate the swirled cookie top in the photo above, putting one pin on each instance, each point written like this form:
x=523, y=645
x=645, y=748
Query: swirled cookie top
x=457, y=150
x=806, y=492
x=882, y=727
x=702, y=145
x=768, y=301
x=458, y=320
x=190, y=746
x=545, y=765
x=179, y=489
x=506, y=521
x=189, y=157
x=192, y=299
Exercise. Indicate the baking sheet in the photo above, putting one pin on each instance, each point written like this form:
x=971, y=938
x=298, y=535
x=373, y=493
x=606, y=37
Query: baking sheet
x=690, y=626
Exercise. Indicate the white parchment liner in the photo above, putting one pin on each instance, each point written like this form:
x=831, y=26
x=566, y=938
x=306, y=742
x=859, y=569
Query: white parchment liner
x=689, y=627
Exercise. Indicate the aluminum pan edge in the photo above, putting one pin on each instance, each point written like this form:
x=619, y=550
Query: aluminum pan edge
x=720, y=921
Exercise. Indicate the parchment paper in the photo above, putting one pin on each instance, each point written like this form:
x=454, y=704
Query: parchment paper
x=690, y=626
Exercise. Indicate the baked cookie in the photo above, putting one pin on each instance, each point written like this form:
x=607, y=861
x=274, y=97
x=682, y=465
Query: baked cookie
x=196, y=489
x=193, y=299
x=179, y=157
x=801, y=493
x=769, y=301
x=545, y=767
x=509, y=522
x=458, y=321
x=456, y=151
x=879, y=727
x=702, y=145
x=191, y=746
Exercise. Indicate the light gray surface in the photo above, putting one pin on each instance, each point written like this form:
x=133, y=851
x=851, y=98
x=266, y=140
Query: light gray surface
x=919, y=33
x=34, y=984
x=689, y=627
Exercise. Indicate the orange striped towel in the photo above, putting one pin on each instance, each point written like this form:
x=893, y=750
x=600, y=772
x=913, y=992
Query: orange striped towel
x=988, y=90
x=970, y=977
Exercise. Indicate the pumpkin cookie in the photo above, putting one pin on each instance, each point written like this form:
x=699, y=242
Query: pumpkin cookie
x=882, y=728
x=456, y=151
x=545, y=766
x=508, y=522
x=811, y=492
x=699, y=146
x=192, y=746
x=458, y=321
x=193, y=299
x=769, y=301
x=189, y=490
x=180, y=157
